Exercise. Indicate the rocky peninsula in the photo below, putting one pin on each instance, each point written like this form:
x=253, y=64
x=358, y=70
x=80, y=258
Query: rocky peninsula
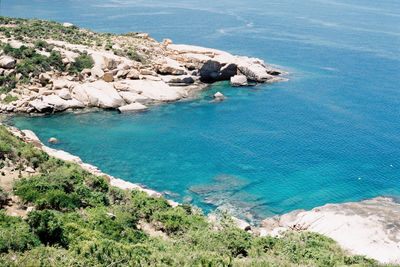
x=49, y=67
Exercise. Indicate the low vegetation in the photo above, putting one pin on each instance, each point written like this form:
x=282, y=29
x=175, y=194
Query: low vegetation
x=80, y=220
x=83, y=61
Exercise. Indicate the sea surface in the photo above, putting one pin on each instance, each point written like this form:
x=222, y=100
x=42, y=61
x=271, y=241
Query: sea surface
x=329, y=134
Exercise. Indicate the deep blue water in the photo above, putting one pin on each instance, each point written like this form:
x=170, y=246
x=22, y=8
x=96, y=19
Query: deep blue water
x=330, y=134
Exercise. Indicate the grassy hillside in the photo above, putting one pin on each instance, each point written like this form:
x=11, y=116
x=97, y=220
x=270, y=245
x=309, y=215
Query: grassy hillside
x=79, y=220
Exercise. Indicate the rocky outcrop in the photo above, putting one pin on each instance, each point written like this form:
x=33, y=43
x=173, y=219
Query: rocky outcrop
x=370, y=227
x=170, y=73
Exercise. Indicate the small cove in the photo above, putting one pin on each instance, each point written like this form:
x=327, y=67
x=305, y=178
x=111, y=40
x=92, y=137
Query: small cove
x=330, y=134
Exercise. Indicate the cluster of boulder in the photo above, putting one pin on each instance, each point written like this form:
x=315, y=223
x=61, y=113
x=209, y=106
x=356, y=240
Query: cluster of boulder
x=115, y=82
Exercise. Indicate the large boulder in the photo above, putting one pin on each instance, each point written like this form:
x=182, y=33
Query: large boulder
x=59, y=104
x=64, y=94
x=218, y=97
x=108, y=77
x=133, y=74
x=98, y=94
x=134, y=107
x=59, y=84
x=170, y=66
x=41, y=106
x=44, y=78
x=132, y=97
x=254, y=69
x=239, y=80
x=156, y=90
x=7, y=62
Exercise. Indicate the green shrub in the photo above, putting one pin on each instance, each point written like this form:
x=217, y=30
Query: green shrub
x=55, y=60
x=5, y=149
x=9, y=98
x=15, y=234
x=43, y=256
x=48, y=226
x=40, y=44
x=83, y=61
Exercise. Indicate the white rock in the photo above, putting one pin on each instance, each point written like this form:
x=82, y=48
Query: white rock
x=64, y=94
x=132, y=97
x=98, y=94
x=156, y=90
x=7, y=62
x=30, y=135
x=53, y=140
x=239, y=80
x=219, y=95
x=29, y=170
x=41, y=106
x=132, y=108
x=368, y=227
x=59, y=84
x=44, y=77
x=170, y=66
x=148, y=72
x=67, y=24
x=254, y=69
x=61, y=155
x=122, y=73
x=97, y=72
x=133, y=74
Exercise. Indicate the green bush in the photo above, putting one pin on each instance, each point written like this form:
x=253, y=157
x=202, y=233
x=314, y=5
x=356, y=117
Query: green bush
x=40, y=44
x=5, y=149
x=9, y=98
x=15, y=234
x=48, y=226
x=83, y=61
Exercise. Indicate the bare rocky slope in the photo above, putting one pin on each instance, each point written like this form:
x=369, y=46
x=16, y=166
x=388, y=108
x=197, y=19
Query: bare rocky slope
x=125, y=72
x=370, y=227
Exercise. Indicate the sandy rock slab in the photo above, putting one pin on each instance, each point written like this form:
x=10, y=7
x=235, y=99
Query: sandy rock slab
x=369, y=227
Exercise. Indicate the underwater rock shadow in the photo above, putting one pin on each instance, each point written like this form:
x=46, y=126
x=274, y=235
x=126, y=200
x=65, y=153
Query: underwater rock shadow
x=226, y=192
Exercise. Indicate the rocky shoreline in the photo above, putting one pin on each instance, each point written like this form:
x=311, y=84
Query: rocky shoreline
x=164, y=72
x=370, y=227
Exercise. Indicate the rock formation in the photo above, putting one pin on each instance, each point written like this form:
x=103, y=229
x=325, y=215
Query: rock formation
x=172, y=72
x=370, y=227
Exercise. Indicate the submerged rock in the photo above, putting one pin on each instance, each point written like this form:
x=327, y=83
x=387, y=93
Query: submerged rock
x=226, y=192
x=218, y=97
x=53, y=140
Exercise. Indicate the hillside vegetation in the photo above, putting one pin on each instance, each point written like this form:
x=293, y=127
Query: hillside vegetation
x=80, y=220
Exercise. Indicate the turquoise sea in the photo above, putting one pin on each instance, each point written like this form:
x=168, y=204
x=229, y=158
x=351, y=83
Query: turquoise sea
x=329, y=134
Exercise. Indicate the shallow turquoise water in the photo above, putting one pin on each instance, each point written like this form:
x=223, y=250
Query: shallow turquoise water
x=330, y=134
